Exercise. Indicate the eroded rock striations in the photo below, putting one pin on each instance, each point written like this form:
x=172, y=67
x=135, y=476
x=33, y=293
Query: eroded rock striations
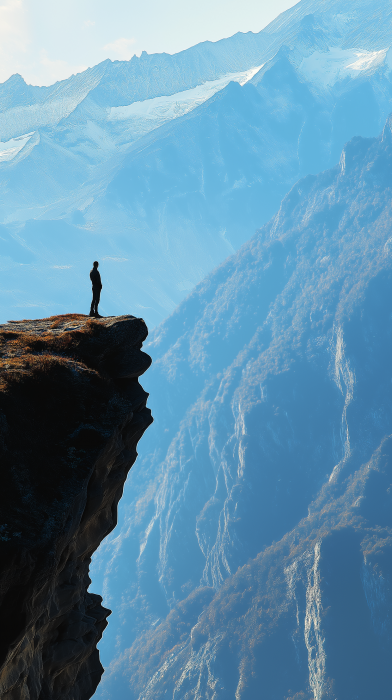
x=264, y=566
x=71, y=414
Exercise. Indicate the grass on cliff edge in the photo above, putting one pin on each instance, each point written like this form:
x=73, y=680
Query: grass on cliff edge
x=24, y=353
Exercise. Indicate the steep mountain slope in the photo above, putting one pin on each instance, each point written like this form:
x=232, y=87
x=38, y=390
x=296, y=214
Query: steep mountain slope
x=262, y=502
x=161, y=199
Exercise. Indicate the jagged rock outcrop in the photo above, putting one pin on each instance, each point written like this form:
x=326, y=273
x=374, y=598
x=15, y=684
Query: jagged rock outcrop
x=71, y=414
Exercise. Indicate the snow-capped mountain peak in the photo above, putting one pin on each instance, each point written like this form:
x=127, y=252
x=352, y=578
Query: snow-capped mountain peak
x=172, y=165
x=148, y=114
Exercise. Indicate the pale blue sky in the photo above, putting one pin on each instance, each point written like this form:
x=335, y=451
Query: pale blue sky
x=48, y=40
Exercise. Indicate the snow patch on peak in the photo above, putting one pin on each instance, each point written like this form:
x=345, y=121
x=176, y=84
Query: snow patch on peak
x=324, y=69
x=9, y=149
x=367, y=60
x=168, y=107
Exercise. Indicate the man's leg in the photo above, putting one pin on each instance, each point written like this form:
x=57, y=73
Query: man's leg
x=92, y=312
x=98, y=297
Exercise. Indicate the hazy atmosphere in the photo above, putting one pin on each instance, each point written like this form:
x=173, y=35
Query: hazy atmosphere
x=195, y=350
x=49, y=40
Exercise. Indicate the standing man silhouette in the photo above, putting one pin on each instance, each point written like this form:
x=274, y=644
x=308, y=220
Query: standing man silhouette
x=95, y=278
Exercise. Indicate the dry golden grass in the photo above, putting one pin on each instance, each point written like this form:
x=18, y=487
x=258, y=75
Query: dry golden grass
x=59, y=318
x=18, y=368
x=25, y=353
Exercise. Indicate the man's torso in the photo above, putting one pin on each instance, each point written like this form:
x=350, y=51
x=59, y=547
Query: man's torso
x=95, y=278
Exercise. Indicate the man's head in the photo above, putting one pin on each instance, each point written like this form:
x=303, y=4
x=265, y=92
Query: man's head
x=95, y=263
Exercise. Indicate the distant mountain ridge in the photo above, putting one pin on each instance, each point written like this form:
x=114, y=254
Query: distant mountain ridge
x=111, y=84
x=66, y=148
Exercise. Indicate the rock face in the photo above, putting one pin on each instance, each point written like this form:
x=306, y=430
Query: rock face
x=260, y=563
x=71, y=414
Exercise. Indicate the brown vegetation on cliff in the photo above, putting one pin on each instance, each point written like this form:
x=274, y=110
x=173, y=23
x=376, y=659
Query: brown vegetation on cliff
x=71, y=414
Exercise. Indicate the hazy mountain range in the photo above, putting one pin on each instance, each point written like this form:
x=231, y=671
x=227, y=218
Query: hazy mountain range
x=253, y=551
x=160, y=167
x=254, y=554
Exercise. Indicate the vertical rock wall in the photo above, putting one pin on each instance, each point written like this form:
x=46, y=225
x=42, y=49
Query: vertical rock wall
x=71, y=414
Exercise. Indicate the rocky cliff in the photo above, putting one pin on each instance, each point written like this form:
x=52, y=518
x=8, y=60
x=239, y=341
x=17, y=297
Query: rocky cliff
x=71, y=414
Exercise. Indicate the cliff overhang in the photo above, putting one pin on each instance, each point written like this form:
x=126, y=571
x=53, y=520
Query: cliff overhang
x=71, y=414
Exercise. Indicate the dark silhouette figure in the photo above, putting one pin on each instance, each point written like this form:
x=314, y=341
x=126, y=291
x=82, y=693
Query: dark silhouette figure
x=95, y=278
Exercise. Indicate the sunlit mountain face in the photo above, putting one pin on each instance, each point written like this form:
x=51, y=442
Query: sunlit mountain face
x=162, y=166
x=253, y=556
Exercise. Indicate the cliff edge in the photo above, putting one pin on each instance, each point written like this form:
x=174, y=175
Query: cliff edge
x=71, y=414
